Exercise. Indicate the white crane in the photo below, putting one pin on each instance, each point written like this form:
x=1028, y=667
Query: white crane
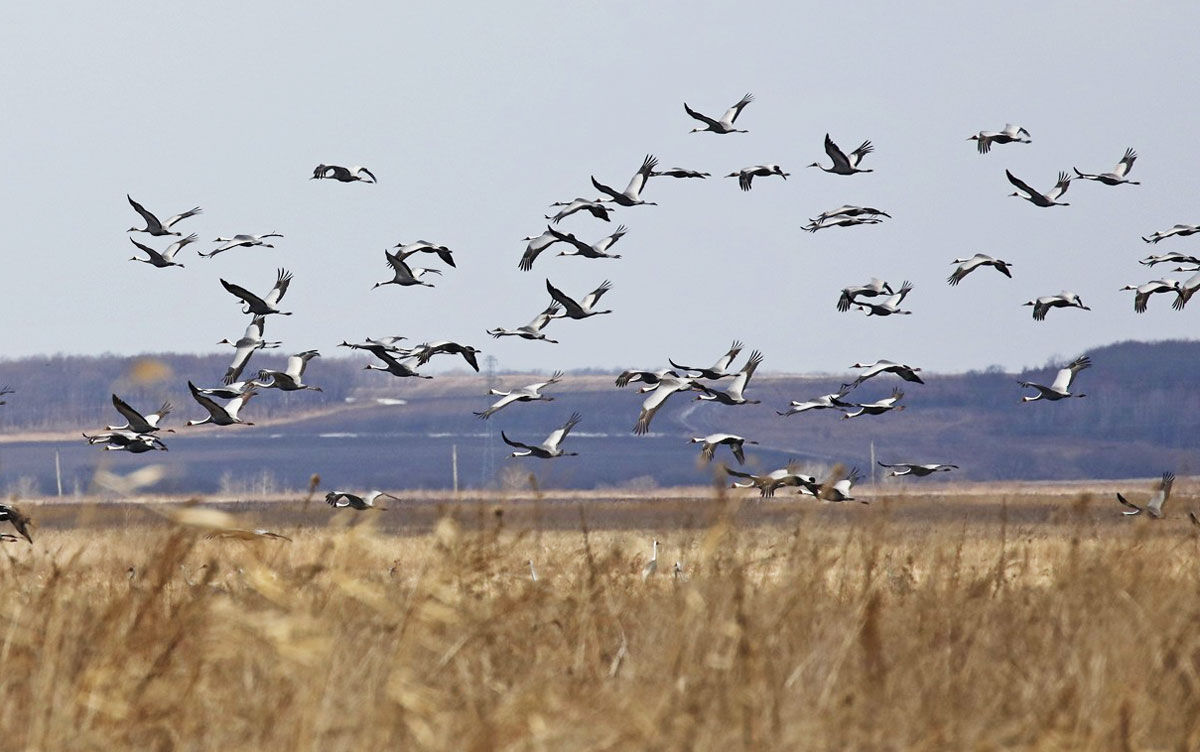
x=1117, y=176
x=1012, y=134
x=1042, y=305
x=746, y=175
x=735, y=443
x=167, y=257
x=843, y=164
x=632, y=195
x=824, y=402
x=968, y=265
x=906, y=372
x=585, y=307
x=839, y=221
x=291, y=379
x=725, y=124
x=250, y=341
x=650, y=378
x=20, y=521
x=596, y=250
x=735, y=394
x=532, y=330
x=840, y=489
x=241, y=241
x=891, y=305
x=1162, y=492
x=768, y=484
x=1181, y=231
x=718, y=370
x=527, y=393
x=917, y=471
x=394, y=365
x=1142, y=293
x=153, y=226
x=666, y=387
x=548, y=449
x=266, y=305
x=342, y=174
x=403, y=274
x=849, y=210
x=533, y=575
x=680, y=172
x=135, y=421
x=424, y=246
x=879, y=407
x=1174, y=257
x=1061, y=388
x=1049, y=198
x=126, y=441
x=652, y=565
x=427, y=350
x=593, y=207
x=343, y=499
x=871, y=289
x=218, y=414
x=1187, y=288
x=536, y=244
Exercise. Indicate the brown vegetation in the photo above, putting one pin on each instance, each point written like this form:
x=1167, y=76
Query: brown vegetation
x=839, y=627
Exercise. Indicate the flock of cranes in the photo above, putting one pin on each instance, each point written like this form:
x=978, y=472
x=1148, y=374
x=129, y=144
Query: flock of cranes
x=224, y=403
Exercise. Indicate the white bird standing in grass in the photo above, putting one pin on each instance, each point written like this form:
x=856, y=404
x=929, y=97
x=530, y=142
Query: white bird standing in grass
x=1143, y=292
x=1162, y=492
x=548, y=449
x=1117, y=176
x=725, y=124
x=843, y=164
x=167, y=257
x=1012, y=134
x=1049, y=198
x=1042, y=305
x=713, y=440
x=1061, y=388
x=527, y=393
x=968, y=265
x=343, y=499
x=155, y=227
x=652, y=565
x=240, y=241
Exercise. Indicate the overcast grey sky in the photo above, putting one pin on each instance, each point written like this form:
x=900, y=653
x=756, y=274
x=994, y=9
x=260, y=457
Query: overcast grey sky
x=476, y=116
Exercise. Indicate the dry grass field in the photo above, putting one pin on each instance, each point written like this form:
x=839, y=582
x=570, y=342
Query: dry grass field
x=918, y=622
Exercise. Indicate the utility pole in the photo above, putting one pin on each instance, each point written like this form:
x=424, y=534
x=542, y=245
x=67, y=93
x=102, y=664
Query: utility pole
x=58, y=472
x=454, y=466
x=487, y=465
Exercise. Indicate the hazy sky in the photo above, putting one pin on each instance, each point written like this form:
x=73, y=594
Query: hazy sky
x=477, y=116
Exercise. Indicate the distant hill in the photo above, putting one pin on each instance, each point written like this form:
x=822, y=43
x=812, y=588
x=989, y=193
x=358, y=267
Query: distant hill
x=370, y=429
